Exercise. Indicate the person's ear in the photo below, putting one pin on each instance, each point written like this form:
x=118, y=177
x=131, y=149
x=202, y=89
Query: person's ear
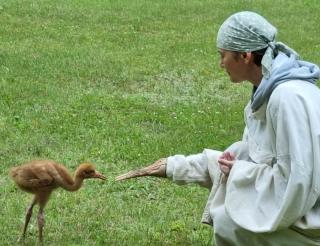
x=247, y=56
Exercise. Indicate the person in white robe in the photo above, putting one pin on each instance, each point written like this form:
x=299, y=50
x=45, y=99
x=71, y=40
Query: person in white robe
x=264, y=189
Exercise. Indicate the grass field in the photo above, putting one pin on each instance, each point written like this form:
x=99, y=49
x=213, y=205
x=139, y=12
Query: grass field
x=121, y=84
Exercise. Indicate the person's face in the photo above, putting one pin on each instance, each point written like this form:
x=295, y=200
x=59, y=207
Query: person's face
x=234, y=64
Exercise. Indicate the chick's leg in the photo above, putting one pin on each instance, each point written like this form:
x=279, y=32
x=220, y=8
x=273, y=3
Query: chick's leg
x=43, y=198
x=28, y=216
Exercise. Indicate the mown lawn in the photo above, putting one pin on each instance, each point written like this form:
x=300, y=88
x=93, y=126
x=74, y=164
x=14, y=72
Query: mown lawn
x=121, y=84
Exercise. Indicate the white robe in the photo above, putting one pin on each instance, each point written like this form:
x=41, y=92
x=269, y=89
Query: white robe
x=275, y=181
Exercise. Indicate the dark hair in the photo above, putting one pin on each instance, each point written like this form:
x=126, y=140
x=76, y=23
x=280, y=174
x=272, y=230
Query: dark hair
x=257, y=56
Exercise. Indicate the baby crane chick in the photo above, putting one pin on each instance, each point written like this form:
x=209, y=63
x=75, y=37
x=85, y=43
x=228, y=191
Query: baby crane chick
x=41, y=177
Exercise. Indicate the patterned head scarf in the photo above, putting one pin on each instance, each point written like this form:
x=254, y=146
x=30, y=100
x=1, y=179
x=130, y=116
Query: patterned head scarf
x=246, y=32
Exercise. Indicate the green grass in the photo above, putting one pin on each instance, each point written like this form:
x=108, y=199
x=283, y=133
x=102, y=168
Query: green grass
x=121, y=84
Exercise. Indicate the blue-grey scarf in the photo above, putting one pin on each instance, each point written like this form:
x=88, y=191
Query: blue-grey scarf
x=284, y=68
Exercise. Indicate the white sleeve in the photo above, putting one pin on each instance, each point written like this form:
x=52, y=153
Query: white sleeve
x=200, y=168
x=189, y=169
x=262, y=197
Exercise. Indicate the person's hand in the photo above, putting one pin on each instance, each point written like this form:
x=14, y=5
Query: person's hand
x=226, y=161
x=157, y=169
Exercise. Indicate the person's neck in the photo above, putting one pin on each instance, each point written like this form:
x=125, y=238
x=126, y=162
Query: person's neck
x=255, y=75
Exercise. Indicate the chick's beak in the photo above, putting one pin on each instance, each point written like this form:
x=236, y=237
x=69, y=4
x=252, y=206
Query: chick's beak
x=98, y=175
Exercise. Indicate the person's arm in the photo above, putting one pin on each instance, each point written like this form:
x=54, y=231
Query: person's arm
x=199, y=168
x=183, y=169
x=180, y=168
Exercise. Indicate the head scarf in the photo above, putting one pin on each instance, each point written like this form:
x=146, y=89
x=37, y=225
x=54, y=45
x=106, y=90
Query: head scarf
x=248, y=31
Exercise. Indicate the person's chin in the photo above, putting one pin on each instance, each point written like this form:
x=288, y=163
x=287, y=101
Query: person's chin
x=233, y=80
